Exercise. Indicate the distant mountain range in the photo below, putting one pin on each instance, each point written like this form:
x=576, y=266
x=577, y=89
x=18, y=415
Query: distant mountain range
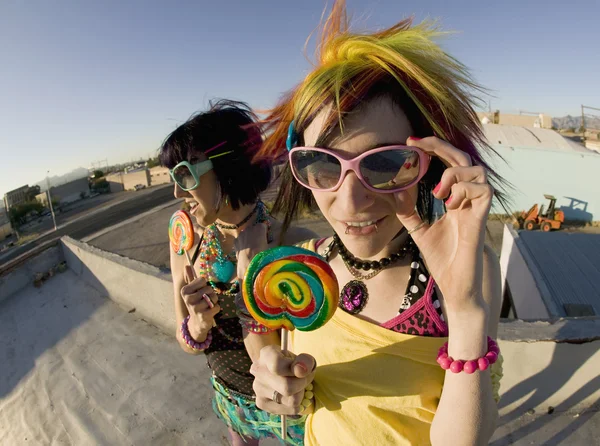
x=569, y=121
x=75, y=174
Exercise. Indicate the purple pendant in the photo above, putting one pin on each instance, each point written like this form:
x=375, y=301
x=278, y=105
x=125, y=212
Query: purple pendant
x=354, y=297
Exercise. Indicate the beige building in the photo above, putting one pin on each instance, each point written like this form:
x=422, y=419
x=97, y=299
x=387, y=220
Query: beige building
x=5, y=230
x=159, y=175
x=120, y=181
x=132, y=179
x=42, y=198
x=541, y=121
x=115, y=181
x=66, y=193
x=5, y=227
x=16, y=196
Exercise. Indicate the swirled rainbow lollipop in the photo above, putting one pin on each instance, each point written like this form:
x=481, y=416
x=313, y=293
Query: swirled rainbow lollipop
x=181, y=232
x=289, y=287
x=181, y=237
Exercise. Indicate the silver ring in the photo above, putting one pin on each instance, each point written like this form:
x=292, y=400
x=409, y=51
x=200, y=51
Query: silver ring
x=416, y=228
x=277, y=397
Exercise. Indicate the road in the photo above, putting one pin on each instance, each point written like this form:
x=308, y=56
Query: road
x=89, y=224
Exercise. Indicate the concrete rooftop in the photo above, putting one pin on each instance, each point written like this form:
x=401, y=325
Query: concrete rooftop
x=78, y=369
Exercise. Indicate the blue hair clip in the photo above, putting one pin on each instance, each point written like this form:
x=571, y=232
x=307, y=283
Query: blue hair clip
x=292, y=138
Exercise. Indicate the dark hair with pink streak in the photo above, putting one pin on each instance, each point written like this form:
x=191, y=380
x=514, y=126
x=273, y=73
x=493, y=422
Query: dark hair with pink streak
x=234, y=124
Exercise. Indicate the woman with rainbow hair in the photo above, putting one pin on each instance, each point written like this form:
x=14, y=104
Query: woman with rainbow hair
x=380, y=129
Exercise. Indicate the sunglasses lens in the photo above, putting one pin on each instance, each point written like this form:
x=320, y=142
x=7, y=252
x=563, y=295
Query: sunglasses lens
x=316, y=170
x=184, y=177
x=391, y=169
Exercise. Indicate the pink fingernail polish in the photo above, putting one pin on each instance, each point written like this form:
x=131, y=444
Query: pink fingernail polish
x=414, y=138
x=437, y=188
x=448, y=200
x=303, y=367
x=407, y=165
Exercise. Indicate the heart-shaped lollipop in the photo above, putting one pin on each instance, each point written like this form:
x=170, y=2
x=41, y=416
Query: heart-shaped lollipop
x=289, y=287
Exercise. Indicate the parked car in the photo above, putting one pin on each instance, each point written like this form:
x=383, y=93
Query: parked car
x=139, y=186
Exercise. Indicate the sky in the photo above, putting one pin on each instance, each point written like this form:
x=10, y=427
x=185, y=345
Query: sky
x=83, y=80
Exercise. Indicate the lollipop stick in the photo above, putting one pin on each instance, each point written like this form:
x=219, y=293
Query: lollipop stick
x=284, y=350
x=206, y=298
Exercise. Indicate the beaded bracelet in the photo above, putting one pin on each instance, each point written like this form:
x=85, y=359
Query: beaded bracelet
x=307, y=401
x=456, y=366
x=191, y=342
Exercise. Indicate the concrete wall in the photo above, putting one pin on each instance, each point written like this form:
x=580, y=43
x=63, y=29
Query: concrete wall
x=516, y=275
x=550, y=364
x=130, y=180
x=546, y=363
x=571, y=177
x=159, y=175
x=22, y=274
x=128, y=282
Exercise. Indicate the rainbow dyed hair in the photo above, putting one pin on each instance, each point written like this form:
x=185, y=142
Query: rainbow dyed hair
x=403, y=62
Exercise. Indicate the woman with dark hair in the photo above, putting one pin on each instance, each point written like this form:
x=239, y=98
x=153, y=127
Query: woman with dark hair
x=381, y=128
x=210, y=160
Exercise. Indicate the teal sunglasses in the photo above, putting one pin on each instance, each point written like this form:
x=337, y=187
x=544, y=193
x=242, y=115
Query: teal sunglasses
x=187, y=176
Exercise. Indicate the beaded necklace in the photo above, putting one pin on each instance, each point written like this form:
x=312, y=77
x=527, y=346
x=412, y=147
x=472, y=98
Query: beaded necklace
x=219, y=268
x=214, y=264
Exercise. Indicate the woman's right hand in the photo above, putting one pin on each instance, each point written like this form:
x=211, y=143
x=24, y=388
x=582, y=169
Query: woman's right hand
x=286, y=374
x=202, y=317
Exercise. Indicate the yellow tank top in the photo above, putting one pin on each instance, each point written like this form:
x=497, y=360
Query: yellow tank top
x=373, y=386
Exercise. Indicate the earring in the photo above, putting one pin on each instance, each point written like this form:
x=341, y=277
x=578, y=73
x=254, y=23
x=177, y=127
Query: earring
x=226, y=201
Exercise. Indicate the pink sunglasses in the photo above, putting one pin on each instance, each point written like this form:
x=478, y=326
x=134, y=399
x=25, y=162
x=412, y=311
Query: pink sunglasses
x=385, y=169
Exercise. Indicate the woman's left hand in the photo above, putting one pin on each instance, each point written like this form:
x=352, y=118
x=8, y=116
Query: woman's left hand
x=453, y=246
x=248, y=243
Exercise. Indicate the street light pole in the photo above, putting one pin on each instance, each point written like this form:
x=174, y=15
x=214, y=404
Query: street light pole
x=50, y=200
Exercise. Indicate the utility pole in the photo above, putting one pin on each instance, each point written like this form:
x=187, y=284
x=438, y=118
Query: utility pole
x=50, y=200
x=582, y=124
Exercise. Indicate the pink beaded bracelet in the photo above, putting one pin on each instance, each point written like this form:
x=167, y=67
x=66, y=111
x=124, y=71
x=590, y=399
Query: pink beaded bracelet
x=456, y=366
x=191, y=342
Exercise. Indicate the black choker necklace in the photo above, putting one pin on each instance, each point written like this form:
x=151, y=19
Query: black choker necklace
x=245, y=220
x=367, y=265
